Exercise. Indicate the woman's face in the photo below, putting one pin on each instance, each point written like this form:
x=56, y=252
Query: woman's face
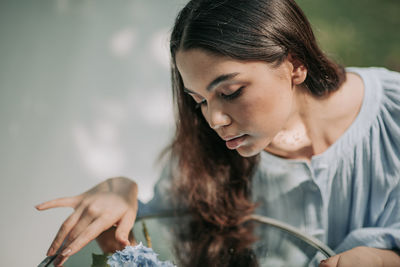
x=246, y=102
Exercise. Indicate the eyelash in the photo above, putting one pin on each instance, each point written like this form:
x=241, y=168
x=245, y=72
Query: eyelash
x=198, y=105
x=232, y=96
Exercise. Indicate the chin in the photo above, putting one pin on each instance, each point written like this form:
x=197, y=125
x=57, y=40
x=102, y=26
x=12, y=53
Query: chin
x=247, y=151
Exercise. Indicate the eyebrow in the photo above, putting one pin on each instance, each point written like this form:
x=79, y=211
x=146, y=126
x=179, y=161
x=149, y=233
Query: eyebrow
x=215, y=82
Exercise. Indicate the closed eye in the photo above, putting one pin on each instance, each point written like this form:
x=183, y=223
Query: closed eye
x=195, y=97
x=198, y=105
x=234, y=95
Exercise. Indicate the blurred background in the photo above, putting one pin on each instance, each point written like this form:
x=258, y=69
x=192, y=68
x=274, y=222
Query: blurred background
x=85, y=95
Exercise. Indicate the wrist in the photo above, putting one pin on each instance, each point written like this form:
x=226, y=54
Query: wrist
x=124, y=186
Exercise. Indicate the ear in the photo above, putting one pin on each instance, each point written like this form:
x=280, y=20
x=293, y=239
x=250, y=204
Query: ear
x=299, y=72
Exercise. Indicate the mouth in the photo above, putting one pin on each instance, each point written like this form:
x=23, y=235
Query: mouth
x=234, y=142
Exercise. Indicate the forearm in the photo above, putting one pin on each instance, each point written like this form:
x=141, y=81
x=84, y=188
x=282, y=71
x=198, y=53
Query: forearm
x=389, y=258
x=363, y=256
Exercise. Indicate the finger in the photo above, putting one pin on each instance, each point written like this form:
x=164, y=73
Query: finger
x=59, y=202
x=60, y=260
x=63, y=260
x=80, y=226
x=330, y=262
x=91, y=232
x=62, y=233
x=124, y=227
x=131, y=238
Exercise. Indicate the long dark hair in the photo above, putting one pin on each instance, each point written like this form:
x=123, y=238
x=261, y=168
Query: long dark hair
x=214, y=181
x=197, y=243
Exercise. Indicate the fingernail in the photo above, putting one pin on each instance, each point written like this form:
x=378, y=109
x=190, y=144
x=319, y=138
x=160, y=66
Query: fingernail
x=50, y=251
x=66, y=252
x=323, y=263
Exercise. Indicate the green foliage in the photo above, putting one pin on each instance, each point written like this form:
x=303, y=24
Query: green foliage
x=100, y=260
x=357, y=33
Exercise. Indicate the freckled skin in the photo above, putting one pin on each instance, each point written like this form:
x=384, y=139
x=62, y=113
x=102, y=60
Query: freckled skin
x=261, y=111
x=274, y=111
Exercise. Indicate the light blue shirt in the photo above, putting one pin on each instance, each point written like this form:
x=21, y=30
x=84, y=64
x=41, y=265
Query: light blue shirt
x=347, y=196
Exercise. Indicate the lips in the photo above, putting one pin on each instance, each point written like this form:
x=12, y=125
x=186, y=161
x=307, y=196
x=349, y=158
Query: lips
x=233, y=142
x=230, y=137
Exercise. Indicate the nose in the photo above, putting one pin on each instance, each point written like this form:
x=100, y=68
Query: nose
x=217, y=118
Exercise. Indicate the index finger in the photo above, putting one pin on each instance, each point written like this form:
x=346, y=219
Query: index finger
x=59, y=202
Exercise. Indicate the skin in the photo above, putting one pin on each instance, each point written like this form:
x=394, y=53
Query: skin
x=274, y=110
x=107, y=210
x=363, y=256
x=266, y=94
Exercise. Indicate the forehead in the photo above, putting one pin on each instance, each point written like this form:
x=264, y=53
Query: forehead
x=194, y=60
x=198, y=67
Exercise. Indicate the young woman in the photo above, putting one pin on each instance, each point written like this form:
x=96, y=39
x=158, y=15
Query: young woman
x=266, y=123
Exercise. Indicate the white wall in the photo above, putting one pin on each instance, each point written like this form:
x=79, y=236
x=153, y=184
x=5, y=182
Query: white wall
x=84, y=95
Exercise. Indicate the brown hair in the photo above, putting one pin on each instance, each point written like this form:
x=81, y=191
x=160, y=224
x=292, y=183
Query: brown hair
x=198, y=244
x=214, y=181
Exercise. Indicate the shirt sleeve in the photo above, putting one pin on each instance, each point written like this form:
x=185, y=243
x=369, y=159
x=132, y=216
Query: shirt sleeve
x=162, y=200
x=384, y=235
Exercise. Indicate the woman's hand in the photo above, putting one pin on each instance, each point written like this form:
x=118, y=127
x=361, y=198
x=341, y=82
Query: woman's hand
x=109, y=244
x=110, y=203
x=363, y=256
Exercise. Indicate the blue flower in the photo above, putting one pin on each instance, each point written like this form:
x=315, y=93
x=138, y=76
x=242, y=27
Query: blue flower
x=137, y=256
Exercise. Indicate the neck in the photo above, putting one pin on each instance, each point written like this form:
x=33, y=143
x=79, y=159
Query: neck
x=316, y=123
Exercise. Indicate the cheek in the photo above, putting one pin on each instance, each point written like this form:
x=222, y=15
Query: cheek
x=266, y=114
